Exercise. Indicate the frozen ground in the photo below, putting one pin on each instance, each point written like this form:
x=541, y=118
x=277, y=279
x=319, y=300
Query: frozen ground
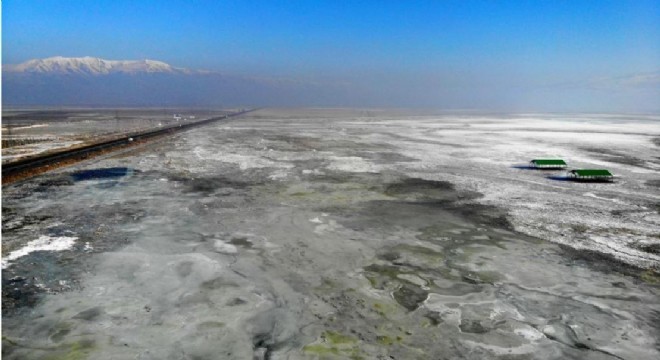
x=45, y=130
x=343, y=234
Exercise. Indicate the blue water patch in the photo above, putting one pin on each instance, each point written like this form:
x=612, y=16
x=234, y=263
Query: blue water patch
x=99, y=174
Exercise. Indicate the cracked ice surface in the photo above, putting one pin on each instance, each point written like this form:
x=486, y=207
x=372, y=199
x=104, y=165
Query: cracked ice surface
x=344, y=234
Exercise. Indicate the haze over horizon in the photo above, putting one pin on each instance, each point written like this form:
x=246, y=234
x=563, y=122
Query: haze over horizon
x=506, y=56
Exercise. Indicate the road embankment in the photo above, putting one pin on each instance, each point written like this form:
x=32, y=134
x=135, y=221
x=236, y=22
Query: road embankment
x=32, y=166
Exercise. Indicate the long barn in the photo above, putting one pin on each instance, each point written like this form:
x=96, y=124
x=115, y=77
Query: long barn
x=548, y=164
x=591, y=175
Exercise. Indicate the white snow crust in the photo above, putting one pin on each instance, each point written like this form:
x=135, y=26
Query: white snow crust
x=43, y=243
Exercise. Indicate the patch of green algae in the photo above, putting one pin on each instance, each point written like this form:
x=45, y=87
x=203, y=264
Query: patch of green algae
x=388, y=341
x=384, y=309
x=336, y=338
x=327, y=284
x=378, y=275
x=209, y=325
x=331, y=193
x=78, y=350
x=334, y=345
x=9, y=341
x=301, y=194
x=320, y=349
x=385, y=270
x=650, y=276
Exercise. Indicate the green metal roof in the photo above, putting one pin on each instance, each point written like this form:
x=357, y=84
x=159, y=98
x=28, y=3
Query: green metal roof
x=592, y=172
x=549, y=162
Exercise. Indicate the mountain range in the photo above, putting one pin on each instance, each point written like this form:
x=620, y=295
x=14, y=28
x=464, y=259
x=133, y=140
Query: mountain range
x=93, y=66
x=90, y=81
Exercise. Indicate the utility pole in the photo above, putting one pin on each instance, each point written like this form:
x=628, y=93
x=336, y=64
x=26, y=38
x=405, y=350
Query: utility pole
x=117, y=129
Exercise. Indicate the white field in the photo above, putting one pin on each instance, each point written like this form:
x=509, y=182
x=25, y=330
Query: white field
x=481, y=153
x=312, y=234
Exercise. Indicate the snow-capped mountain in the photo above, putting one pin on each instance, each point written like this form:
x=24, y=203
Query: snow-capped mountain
x=93, y=66
x=93, y=81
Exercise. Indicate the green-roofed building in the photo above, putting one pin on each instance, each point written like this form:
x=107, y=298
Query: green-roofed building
x=548, y=164
x=591, y=175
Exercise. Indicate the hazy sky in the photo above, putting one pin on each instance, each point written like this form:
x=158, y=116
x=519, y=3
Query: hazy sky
x=517, y=55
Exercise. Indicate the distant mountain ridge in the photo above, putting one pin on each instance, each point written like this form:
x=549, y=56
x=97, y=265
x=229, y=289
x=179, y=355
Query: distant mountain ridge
x=94, y=66
x=91, y=81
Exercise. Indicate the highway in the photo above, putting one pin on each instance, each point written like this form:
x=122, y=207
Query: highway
x=29, y=167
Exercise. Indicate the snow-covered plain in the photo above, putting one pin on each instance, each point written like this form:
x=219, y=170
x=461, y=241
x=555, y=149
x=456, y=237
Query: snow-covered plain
x=489, y=156
x=331, y=234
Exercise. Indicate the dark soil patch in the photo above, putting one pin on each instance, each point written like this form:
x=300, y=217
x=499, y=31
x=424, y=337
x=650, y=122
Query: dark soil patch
x=616, y=157
x=651, y=248
x=598, y=261
x=207, y=185
x=13, y=221
x=488, y=215
x=410, y=296
x=653, y=183
x=54, y=181
x=18, y=292
x=89, y=314
x=415, y=185
x=434, y=317
x=430, y=191
x=472, y=327
x=50, y=272
x=241, y=241
x=40, y=272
